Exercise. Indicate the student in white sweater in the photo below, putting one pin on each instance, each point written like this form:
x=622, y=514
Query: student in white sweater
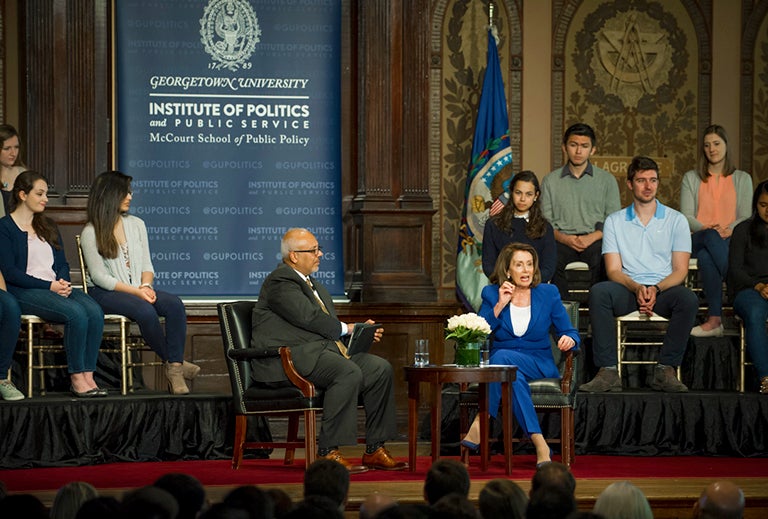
x=120, y=275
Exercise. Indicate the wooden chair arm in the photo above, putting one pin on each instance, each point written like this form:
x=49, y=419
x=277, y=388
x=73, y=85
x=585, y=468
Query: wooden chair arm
x=306, y=387
x=567, y=379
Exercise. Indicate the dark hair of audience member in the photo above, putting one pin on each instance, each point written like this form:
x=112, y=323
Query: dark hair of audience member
x=374, y=503
x=316, y=507
x=225, y=511
x=252, y=499
x=584, y=514
x=454, y=506
x=70, y=497
x=23, y=505
x=329, y=479
x=188, y=491
x=553, y=475
x=445, y=477
x=150, y=502
x=502, y=498
x=406, y=511
x=281, y=501
x=101, y=507
x=3, y=490
x=550, y=503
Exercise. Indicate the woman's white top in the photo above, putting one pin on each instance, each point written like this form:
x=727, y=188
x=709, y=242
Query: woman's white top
x=520, y=317
x=39, y=258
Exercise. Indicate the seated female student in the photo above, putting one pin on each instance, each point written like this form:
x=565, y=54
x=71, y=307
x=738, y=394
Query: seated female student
x=37, y=273
x=521, y=221
x=520, y=311
x=10, y=163
x=714, y=199
x=120, y=272
x=748, y=280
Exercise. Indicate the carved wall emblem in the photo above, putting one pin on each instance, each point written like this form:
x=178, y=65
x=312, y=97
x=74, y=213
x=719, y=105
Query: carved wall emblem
x=633, y=57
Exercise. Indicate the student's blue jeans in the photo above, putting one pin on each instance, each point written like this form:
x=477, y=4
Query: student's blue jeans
x=81, y=316
x=168, y=343
x=753, y=309
x=10, y=321
x=711, y=253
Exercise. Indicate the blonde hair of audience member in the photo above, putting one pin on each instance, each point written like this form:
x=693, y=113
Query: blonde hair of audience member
x=623, y=500
x=70, y=498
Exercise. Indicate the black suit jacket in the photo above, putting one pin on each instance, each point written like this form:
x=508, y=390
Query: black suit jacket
x=288, y=314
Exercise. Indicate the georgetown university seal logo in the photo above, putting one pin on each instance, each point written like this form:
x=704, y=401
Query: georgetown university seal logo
x=229, y=31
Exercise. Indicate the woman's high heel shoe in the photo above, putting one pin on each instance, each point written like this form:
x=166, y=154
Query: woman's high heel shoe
x=176, y=383
x=189, y=370
x=471, y=440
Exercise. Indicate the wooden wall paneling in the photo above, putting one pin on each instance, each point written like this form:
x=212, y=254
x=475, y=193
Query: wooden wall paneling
x=392, y=188
x=754, y=90
x=66, y=91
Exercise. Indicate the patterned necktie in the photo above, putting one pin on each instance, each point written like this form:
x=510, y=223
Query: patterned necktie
x=339, y=344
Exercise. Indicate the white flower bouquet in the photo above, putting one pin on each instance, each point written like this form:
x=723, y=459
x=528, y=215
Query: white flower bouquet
x=467, y=328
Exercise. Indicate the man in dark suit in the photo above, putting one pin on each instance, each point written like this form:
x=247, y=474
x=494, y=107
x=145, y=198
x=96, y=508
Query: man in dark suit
x=295, y=311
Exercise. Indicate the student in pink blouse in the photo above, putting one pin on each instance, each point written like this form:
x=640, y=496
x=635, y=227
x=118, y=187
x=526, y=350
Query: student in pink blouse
x=714, y=198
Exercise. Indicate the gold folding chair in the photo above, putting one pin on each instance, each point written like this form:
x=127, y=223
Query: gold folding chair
x=118, y=327
x=36, y=349
x=623, y=340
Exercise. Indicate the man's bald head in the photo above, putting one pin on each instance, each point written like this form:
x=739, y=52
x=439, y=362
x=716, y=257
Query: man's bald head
x=720, y=500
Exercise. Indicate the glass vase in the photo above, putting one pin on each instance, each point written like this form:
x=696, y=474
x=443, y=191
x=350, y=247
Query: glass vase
x=467, y=354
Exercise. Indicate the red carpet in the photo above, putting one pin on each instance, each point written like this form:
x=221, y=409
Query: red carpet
x=135, y=474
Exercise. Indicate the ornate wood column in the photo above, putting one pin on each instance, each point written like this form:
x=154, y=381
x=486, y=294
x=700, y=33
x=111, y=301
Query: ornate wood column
x=391, y=211
x=67, y=96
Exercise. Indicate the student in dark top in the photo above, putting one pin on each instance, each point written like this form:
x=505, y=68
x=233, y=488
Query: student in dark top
x=521, y=221
x=748, y=280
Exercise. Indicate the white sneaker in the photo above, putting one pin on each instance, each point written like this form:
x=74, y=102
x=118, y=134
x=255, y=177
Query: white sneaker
x=698, y=331
x=9, y=392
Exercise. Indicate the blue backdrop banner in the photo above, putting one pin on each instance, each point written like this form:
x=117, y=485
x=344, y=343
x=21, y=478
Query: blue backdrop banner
x=228, y=120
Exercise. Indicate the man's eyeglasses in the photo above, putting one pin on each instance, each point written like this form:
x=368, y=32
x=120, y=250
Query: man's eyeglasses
x=316, y=251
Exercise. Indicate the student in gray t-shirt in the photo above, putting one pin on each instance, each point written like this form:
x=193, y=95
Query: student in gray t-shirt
x=576, y=199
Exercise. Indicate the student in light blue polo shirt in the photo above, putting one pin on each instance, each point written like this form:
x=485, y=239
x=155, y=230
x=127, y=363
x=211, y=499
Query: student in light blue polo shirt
x=646, y=248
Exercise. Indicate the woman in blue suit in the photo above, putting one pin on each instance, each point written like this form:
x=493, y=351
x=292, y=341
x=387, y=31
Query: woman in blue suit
x=521, y=311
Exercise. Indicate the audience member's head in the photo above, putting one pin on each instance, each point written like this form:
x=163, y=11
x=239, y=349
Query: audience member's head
x=23, y=505
x=316, y=507
x=329, y=479
x=553, y=474
x=623, y=500
x=502, y=498
x=70, y=498
x=252, y=499
x=150, y=502
x=445, y=477
x=3, y=490
x=101, y=507
x=584, y=514
x=225, y=511
x=188, y=491
x=406, y=511
x=281, y=501
x=720, y=500
x=453, y=506
x=550, y=503
x=374, y=503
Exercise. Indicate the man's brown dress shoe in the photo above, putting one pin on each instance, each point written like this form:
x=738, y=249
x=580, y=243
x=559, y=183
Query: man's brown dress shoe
x=382, y=460
x=336, y=456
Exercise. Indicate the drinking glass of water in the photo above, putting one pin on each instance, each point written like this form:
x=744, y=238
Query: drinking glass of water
x=485, y=353
x=421, y=353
